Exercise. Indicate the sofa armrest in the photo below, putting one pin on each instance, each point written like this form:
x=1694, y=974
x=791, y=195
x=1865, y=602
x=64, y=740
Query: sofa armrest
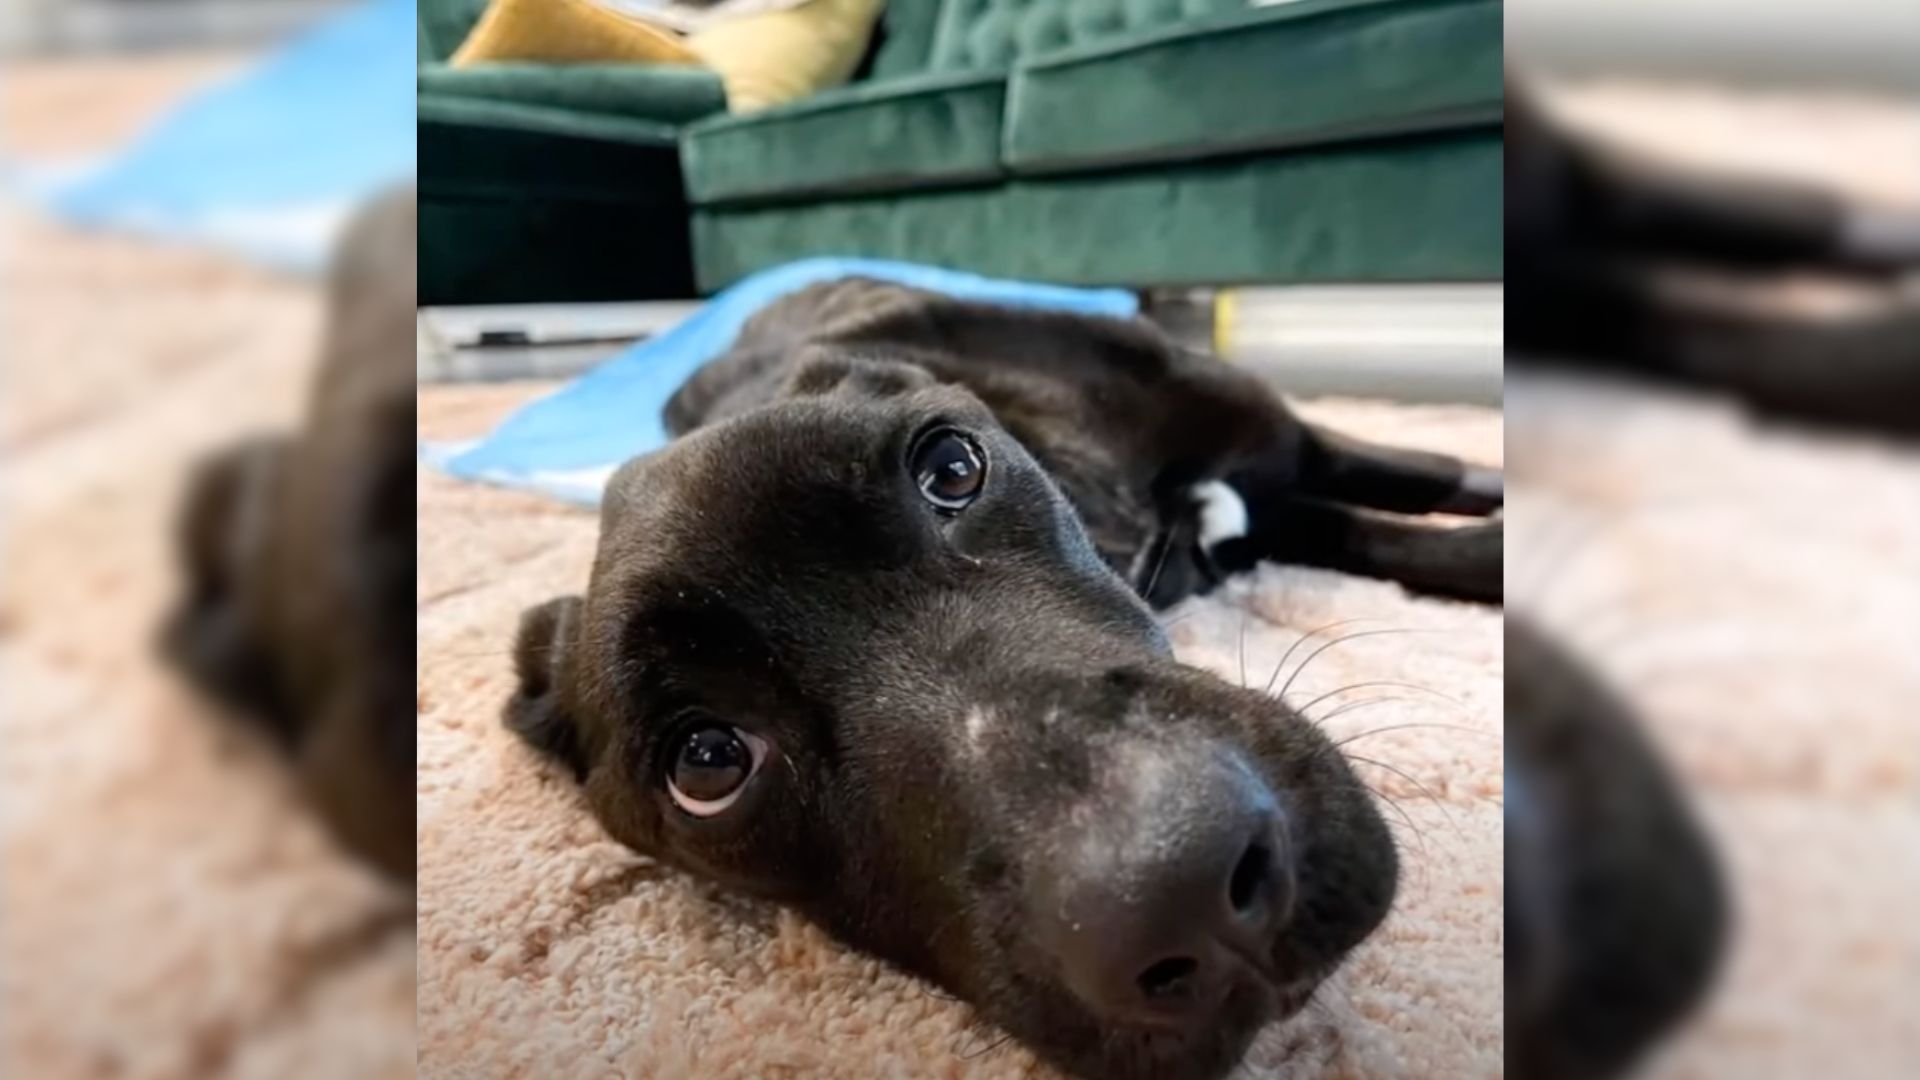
x=439, y=109
x=941, y=129
x=666, y=94
x=854, y=96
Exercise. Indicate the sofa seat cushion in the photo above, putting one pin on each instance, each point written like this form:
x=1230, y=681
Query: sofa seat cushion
x=670, y=95
x=904, y=134
x=1420, y=208
x=1311, y=72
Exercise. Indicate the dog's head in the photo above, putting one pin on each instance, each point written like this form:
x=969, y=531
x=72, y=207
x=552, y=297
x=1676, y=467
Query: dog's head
x=221, y=535
x=852, y=651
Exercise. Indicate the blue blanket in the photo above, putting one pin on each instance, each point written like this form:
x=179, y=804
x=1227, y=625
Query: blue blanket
x=568, y=443
x=268, y=164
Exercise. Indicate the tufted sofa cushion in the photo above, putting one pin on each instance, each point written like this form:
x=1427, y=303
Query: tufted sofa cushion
x=990, y=35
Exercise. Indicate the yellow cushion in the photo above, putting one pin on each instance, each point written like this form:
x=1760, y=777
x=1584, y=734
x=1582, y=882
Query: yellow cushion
x=774, y=57
x=566, y=31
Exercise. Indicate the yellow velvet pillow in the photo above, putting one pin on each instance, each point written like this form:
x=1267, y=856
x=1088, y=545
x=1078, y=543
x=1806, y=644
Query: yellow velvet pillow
x=566, y=32
x=772, y=57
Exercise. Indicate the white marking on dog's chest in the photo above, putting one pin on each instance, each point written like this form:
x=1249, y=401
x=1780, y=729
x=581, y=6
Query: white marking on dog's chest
x=1223, y=514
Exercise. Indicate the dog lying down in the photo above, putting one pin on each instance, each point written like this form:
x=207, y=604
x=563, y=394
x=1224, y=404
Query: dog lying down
x=873, y=638
x=297, y=557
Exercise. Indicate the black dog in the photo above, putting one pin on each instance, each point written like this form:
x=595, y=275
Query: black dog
x=297, y=557
x=1616, y=913
x=869, y=639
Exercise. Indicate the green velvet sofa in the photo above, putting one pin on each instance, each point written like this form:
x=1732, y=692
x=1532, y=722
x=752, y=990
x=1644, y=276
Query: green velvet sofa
x=1130, y=142
x=548, y=183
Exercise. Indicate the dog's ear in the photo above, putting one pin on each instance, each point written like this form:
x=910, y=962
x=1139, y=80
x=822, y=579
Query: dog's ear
x=538, y=712
x=221, y=533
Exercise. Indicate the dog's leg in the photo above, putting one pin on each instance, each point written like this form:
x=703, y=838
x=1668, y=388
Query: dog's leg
x=1464, y=562
x=1335, y=467
x=1565, y=190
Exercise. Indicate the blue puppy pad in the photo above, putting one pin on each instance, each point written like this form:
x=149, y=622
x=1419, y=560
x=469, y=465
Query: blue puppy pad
x=568, y=443
x=268, y=164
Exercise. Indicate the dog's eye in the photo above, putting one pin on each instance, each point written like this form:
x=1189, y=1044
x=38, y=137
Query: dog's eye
x=711, y=765
x=949, y=470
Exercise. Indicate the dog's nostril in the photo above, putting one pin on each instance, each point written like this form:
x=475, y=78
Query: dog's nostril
x=1249, y=880
x=1169, y=978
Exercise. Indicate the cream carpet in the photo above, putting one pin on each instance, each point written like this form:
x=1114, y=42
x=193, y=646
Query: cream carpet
x=1756, y=593
x=547, y=950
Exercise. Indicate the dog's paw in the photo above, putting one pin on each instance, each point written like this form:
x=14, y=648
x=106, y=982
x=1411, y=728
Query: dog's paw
x=1221, y=513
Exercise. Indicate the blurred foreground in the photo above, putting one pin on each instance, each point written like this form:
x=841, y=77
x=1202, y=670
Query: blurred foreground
x=171, y=906
x=1714, y=493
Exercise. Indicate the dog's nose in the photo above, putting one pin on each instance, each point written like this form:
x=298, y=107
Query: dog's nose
x=1171, y=895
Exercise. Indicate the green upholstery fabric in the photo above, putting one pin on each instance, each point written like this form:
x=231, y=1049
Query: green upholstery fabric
x=990, y=35
x=1417, y=208
x=444, y=25
x=906, y=37
x=530, y=204
x=902, y=134
x=672, y=95
x=1263, y=80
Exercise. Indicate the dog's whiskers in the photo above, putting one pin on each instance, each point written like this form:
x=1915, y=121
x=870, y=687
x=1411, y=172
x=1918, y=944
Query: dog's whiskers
x=1393, y=804
x=1302, y=640
x=1393, y=727
x=977, y=1028
x=1338, y=690
x=1243, y=648
x=1361, y=704
x=1424, y=790
x=1341, y=640
x=1159, y=564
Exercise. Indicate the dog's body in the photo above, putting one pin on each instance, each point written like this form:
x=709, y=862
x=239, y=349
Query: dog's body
x=1143, y=438
x=298, y=556
x=868, y=639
